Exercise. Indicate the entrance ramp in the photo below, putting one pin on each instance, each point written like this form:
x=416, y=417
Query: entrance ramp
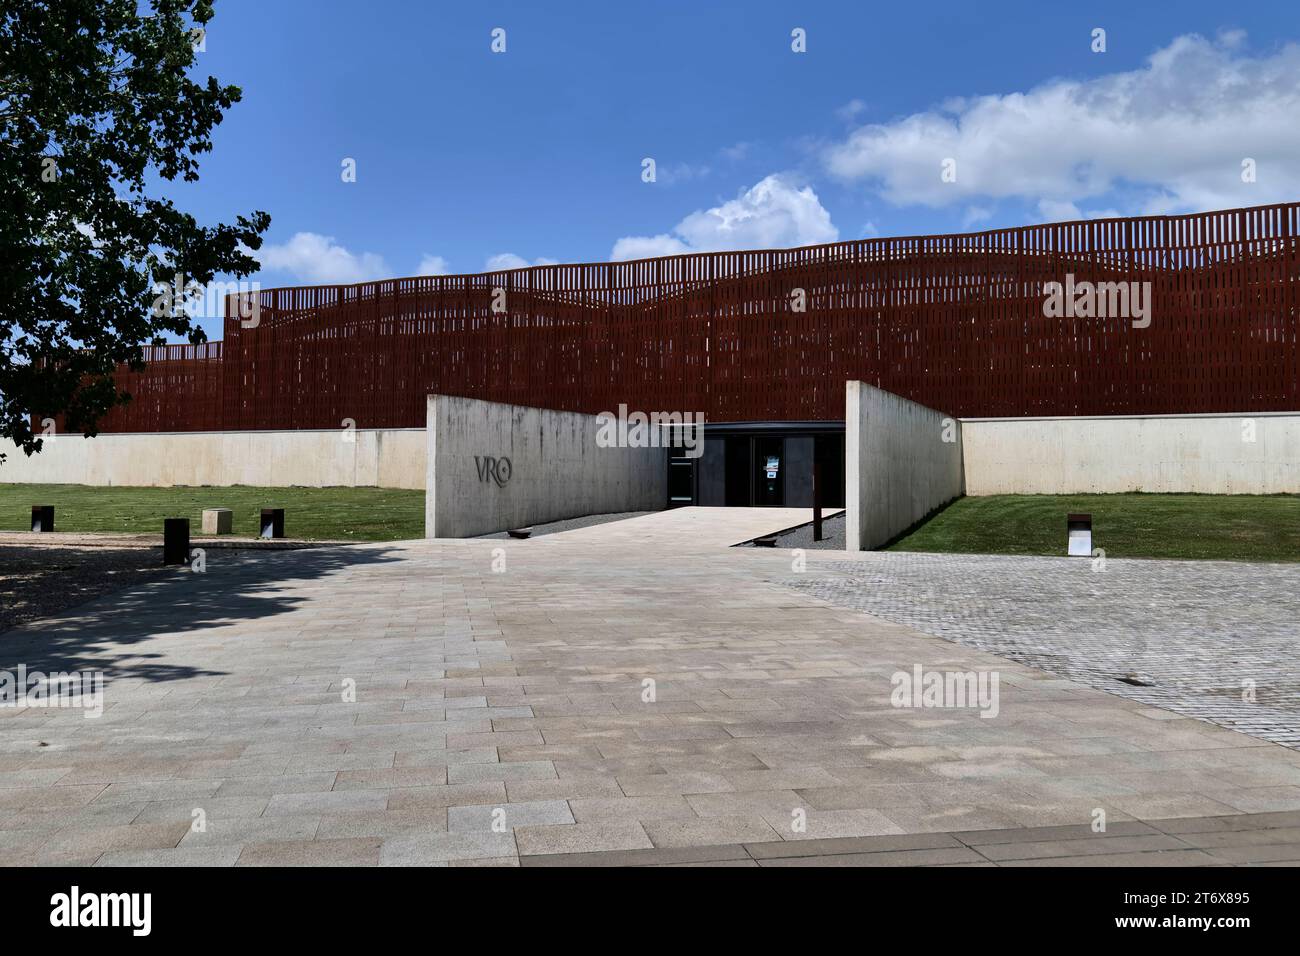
x=690, y=528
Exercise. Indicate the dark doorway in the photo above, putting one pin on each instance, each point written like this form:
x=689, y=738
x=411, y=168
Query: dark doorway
x=737, y=468
x=681, y=478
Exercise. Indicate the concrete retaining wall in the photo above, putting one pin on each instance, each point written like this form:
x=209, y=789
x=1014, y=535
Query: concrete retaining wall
x=899, y=467
x=1207, y=454
x=385, y=458
x=493, y=467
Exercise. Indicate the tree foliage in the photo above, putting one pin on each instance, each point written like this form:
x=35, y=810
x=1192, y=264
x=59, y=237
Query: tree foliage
x=97, y=103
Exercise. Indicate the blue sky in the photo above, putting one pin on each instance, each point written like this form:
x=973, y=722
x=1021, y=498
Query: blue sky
x=465, y=157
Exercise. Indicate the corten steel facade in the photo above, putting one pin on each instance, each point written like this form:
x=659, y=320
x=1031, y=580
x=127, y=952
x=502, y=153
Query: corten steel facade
x=953, y=322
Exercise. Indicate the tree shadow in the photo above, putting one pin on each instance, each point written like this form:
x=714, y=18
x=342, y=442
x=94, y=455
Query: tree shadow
x=238, y=586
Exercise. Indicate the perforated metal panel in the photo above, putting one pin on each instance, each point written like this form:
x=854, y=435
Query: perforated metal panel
x=954, y=322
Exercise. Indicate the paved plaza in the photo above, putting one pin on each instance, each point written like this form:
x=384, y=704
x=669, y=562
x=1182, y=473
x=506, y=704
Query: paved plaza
x=635, y=688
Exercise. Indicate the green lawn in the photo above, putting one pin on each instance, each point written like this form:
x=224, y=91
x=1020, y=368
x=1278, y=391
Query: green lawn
x=1225, y=527
x=340, y=514
x=1221, y=527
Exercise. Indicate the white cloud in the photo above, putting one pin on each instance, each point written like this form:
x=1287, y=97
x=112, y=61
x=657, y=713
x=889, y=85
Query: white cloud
x=1169, y=136
x=737, y=152
x=671, y=174
x=319, y=260
x=433, y=266
x=772, y=214
x=850, y=110
x=1057, y=210
x=648, y=247
x=508, y=260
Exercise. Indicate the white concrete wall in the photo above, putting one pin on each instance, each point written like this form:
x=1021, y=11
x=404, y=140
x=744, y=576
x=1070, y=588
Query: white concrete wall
x=557, y=470
x=899, y=468
x=386, y=458
x=1208, y=454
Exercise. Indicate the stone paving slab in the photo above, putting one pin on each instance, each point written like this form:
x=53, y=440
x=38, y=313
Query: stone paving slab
x=1255, y=839
x=373, y=705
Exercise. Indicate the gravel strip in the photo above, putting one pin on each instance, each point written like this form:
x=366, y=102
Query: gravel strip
x=802, y=536
x=570, y=524
x=95, y=539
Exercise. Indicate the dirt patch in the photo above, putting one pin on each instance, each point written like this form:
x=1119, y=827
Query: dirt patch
x=38, y=581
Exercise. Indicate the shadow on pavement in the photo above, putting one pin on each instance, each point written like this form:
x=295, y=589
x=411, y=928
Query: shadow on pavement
x=99, y=635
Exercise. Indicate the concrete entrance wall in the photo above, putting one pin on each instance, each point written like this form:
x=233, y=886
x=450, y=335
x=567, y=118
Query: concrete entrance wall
x=1253, y=454
x=493, y=467
x=385, y=458
x=899, y=465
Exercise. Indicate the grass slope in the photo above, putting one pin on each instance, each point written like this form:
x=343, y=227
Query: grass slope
x=341, y=514
x=1221, y=527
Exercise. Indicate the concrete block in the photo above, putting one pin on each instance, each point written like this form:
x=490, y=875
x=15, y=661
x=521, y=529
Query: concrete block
x=218, y=521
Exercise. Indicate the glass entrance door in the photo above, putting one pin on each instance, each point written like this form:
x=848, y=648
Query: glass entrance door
x=769, y=472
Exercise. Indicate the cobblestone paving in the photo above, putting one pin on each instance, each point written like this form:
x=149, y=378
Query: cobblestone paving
x=1202, y=634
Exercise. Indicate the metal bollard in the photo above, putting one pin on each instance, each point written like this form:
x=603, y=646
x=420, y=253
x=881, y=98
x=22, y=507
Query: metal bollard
x=272, y=523
x=817, y=501
x=42, y=518
x=176, y=541
x=1079, y=535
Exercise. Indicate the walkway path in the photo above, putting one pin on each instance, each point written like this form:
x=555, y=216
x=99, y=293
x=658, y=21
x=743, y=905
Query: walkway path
x=501, y=713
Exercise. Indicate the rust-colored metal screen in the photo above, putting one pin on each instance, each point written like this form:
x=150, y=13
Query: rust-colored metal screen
x=954, y=322
x=179, y=390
